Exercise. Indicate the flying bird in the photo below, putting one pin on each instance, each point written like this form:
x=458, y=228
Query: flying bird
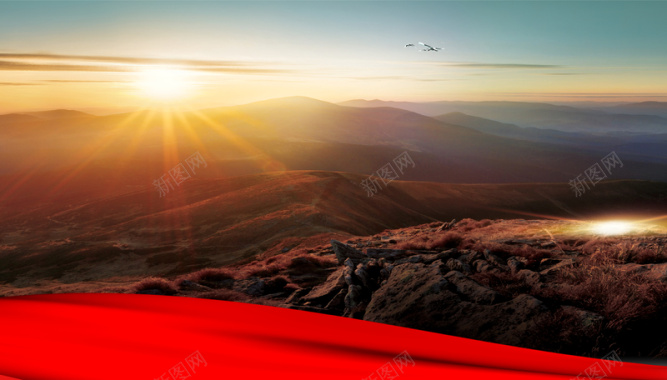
x=408, y=45
x=429, y=47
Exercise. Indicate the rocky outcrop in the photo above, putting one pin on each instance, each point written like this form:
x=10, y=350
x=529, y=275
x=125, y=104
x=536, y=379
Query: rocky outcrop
x=421, y=297
x=344, y=252
x=322, y=294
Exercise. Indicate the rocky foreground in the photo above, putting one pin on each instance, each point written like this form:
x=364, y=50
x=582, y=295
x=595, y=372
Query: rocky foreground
x=538, y=284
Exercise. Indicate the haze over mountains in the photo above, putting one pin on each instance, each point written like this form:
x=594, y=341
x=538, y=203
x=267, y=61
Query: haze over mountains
x=77, y=201
x=637, y=118
x=304, y=134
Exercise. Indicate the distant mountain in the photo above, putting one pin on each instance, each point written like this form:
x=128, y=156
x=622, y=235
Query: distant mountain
x=652, y=147
x=538, y=115
x=14, y=118
x=644, y=108
x=91, y=156
x=58, y=114
x=513, y=131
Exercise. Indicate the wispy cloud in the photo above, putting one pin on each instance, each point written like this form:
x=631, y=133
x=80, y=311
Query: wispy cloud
x=558, y=74
x=85, y=63
x=26, y=66
x=501, y=66
x=18, y=84
x=81, y=81
x=125, y=60
x=399, y=78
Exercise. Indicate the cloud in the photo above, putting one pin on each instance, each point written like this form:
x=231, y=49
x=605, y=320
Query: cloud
x=25, y=66
x=81, y=81
x=400, y=78
x=125, y=60
x=19, y=84
x=501, y=66
x=86, y=63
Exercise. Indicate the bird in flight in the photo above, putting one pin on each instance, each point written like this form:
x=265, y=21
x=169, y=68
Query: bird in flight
x=408, y=45
x=429, y=47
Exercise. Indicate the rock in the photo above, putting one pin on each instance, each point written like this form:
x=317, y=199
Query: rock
x=481, y=266
x=395, y=254
x=529, y=277
x=344, y=251
x=474, y=256
x=418, y=296
x=495, y=260
x=155, y=292
x=296, y=296
x=353, y=297
x=227, y=283
x=447, y=226
x=415, y=259
x=448, y=254
x=514, y=264
x=409, y=286
x=385, y=272
x=554, y=269
x=252, y=286
x=457, y=265
x=338, y=301
x=189, y=285
x=314, y=309
x=274, y=285
x=471, y=290
x=362, y=274
x=323, y=293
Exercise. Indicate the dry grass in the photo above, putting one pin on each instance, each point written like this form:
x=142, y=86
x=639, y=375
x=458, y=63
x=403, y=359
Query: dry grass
x=468, y=224
x=600, y=285
x=625, y=251
x=210, y=274
x=165, y=286
x=295, y=263
x=445, y=239
x=224, y=295
x=533, y=255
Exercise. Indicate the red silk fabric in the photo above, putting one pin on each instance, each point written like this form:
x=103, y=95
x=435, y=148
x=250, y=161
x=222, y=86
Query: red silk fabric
x=127, y=336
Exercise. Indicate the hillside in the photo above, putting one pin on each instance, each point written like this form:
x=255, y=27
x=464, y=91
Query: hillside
x=223, y=221
x=110, y=155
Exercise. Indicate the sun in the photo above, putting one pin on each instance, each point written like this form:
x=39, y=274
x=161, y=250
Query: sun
x=613, y=227
x=163, y=83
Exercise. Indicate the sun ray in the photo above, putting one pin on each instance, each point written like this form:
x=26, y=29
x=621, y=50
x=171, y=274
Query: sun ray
x=251, y=150
x=95, y=150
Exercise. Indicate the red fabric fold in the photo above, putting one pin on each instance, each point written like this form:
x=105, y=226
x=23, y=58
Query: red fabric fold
x=126, y=336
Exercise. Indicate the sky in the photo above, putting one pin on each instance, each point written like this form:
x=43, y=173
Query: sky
x=104, y=55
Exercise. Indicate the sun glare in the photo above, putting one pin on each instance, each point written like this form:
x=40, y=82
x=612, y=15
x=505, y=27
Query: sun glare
x=164, y=83
x=613, y=228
